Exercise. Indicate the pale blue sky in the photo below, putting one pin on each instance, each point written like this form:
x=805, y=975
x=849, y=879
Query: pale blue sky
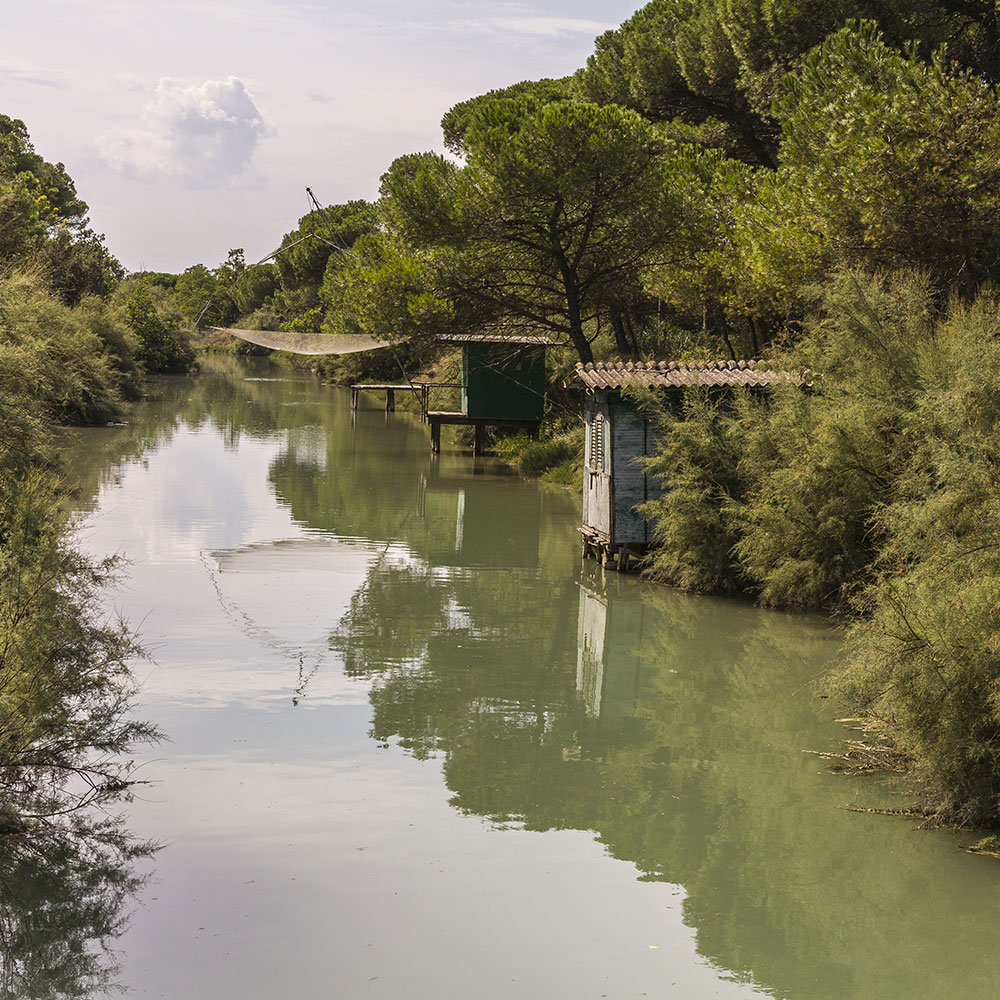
x=191, y=128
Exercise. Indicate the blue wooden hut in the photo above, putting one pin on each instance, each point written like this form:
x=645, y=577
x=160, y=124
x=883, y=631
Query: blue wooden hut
x=619, y=436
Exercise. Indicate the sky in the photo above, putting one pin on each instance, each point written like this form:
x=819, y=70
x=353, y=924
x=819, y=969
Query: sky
x=192, y=128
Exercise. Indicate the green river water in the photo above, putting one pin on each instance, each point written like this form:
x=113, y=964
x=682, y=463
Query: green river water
x=417, y=750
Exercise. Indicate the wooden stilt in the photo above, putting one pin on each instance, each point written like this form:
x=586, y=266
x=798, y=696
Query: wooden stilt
x=479, y=439
x=435, y=439
x=390, y=400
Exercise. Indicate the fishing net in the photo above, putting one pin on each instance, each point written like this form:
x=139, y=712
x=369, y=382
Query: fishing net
x=306, y=343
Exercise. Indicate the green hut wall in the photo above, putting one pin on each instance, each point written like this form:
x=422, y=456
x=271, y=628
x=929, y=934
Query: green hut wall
x=503, y=380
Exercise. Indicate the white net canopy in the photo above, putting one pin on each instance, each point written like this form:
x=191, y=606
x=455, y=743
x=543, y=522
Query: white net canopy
x=306, y=343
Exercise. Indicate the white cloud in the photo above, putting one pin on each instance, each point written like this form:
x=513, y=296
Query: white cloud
x=549, y=27
x=203, y=134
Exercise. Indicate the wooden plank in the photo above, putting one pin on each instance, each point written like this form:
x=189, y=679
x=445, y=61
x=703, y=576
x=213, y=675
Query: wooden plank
x=383, y=386
x=629, y=445
x=447, y=417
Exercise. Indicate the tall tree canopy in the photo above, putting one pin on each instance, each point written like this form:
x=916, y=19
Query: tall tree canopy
x=887, y=161
x=551, y=221
x=717, y=65
x=43, y=219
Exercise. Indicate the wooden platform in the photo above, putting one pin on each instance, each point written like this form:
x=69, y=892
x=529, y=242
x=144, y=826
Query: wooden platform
x=619, y=557
x=389, y=388
x=435, y=418
x=438, y=417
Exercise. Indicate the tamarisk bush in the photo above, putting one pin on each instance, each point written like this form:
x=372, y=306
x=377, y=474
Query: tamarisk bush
x=873, y=491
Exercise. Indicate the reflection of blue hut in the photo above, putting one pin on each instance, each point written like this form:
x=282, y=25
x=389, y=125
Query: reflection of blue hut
x=610, y=633
x=619, y=436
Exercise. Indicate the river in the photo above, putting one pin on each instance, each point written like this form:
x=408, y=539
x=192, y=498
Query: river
x=416, y=750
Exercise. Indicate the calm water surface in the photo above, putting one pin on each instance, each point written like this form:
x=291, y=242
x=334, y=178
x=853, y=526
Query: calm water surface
x=417, y=752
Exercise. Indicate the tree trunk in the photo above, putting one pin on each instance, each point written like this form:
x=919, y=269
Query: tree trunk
x=621, y=335
x=754, y=339
x=571, y=287
x=630, y=334
x=729, y=344
x=991, y=47
x=578, y=339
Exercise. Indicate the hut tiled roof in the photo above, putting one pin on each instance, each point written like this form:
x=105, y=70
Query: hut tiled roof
x=677, y=374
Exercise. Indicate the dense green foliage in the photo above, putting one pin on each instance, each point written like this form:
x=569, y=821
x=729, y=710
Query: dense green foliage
x=64, y=678
x=683, y=190
x=778, y=496
x=70, y=353
x=161, y=346
x=924, y=659
x=78, y=364
x=43, y=222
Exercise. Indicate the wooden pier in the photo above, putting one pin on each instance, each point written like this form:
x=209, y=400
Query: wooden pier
x=389, y=388
x=438, y=417
x=435, y=418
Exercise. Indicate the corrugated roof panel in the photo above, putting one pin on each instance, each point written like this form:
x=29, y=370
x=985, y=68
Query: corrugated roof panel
x=676, y=375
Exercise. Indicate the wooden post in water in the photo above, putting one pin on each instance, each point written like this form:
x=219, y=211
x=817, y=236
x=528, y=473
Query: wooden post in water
x=390, y=400
x=479, y=439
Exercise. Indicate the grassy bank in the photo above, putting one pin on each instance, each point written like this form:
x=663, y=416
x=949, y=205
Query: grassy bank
x=555, y=457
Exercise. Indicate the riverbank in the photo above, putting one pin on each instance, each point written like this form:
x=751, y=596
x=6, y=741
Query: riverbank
x=66, y=687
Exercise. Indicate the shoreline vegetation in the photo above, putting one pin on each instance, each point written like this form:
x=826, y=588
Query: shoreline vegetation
x=76, y=341
x=818, y=189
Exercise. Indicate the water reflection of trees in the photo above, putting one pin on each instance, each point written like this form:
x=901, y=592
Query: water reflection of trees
x=235, y=396
x=65, y=893
x=673, y=727
x=376, y=479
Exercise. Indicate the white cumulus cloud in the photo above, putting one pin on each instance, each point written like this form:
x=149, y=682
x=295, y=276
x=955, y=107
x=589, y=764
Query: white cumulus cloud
x=203, y=134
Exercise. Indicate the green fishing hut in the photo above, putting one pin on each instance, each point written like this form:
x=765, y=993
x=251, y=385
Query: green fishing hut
x=503, y=384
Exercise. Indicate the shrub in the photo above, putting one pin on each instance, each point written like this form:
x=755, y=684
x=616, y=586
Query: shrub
x=162, y=346
x=556, y=459
x=79, y=361
x=924, y=660
x=698, y=465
